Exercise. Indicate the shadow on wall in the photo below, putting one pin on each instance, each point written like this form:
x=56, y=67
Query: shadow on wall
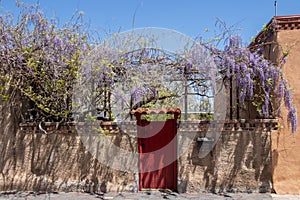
x=30, y=160
x=35, y=161
x=240, y=162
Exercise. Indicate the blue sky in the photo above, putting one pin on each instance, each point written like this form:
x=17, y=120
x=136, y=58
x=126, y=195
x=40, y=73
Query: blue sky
x=190, y=17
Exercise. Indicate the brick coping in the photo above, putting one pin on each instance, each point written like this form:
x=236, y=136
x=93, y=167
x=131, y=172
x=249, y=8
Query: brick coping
x=130, y=126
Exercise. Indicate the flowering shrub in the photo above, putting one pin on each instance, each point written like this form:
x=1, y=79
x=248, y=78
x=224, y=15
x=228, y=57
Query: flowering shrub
x=257, y=79
x=40, y=59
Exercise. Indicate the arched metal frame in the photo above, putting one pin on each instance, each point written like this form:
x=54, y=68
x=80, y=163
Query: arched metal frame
x=180, y=69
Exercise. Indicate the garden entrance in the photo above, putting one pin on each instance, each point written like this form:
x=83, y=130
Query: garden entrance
x=157, y=147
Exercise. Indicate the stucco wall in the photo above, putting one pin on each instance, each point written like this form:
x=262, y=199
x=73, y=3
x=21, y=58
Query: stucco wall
x=31, y=160
x=240, y=160
x=285, y=146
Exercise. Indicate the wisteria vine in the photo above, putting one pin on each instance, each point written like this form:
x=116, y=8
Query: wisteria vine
x=42, y=59
x=257, y=79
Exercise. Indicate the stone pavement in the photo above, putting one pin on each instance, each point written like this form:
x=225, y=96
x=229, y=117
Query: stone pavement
x=141, y=196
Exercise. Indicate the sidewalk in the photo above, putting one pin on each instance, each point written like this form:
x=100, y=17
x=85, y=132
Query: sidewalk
x=142, y=196
x=285, y=197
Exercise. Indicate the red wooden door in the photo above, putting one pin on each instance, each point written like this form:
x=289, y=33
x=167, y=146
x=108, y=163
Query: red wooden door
x=157, y=154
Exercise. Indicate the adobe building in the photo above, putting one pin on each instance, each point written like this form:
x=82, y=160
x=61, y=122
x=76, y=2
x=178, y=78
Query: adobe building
x=281, y=38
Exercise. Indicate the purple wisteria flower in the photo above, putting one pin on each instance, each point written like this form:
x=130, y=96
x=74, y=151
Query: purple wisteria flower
x=251, y=70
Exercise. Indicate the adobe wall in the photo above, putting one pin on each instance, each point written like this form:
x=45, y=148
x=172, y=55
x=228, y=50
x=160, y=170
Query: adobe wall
x=240, y=160
x=285, y=146
x=32, y=160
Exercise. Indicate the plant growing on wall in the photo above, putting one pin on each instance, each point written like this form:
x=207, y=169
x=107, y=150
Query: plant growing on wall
x=131, y=72
x=46, y=62
x=40, y=59
x=258, y=80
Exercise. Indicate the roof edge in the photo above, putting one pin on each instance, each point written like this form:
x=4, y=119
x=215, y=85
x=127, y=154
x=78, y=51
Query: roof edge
x=278, y=23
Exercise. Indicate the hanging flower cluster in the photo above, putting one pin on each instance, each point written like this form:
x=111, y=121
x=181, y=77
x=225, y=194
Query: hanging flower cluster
x=41, y=59
x=257, y=79
x=44, y=60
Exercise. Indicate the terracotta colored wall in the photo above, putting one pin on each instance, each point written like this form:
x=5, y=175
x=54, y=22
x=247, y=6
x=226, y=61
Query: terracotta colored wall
x=285, y=146
x=239, y=162
x=31, y=160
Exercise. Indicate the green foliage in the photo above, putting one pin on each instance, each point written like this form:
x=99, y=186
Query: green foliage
x=157, y=117
x=41, y=58
x=46, y=62
x=89, y=118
